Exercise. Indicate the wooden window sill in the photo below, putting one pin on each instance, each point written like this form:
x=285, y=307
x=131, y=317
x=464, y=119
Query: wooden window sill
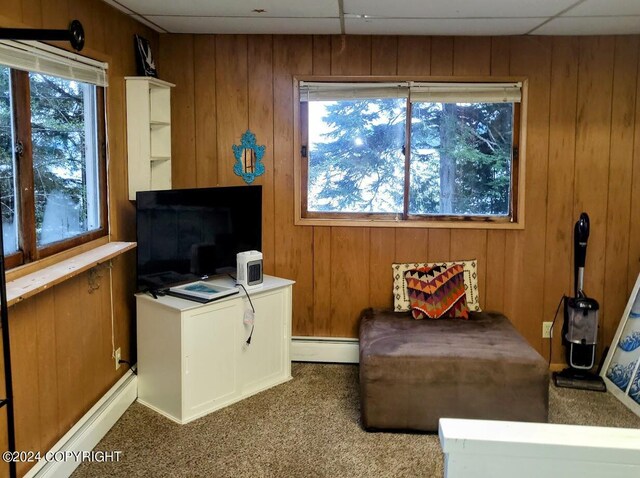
x=445, y=224
x=37, y=281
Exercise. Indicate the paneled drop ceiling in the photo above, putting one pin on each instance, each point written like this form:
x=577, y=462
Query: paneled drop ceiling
x=389, y=17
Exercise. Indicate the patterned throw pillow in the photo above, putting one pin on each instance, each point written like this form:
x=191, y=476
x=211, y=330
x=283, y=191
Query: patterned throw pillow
x=401, y=297
x=437, y=291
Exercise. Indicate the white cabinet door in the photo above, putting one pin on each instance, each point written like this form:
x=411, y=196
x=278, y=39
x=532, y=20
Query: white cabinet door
x=210, y=365
x=263, y=359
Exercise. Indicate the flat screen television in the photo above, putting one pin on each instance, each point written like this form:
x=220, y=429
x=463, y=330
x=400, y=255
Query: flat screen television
x=189, y=234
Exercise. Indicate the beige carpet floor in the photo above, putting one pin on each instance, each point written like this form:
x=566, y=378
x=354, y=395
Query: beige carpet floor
x=308, y=427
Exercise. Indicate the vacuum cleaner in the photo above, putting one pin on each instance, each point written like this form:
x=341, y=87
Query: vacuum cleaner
x=580, y=327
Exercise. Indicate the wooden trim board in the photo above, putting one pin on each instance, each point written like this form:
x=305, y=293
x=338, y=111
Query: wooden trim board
x=31, y=284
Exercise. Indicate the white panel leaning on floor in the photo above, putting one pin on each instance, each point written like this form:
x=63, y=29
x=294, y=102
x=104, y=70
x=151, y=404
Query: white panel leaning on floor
x=501, y=449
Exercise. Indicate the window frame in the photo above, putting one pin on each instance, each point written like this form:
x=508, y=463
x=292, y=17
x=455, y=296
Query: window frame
x=28, y=250
x=304, y=217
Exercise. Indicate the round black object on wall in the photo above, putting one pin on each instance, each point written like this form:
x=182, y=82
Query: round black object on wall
x=76, y=35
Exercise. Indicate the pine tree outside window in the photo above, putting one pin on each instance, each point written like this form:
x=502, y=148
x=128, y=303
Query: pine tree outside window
x=410, y=151
x=52, y=152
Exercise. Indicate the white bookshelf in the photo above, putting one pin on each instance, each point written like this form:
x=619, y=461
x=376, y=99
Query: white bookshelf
x=148, y=133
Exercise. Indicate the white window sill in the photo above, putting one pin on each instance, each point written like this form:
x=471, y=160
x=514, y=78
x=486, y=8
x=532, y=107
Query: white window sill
x=34, y=282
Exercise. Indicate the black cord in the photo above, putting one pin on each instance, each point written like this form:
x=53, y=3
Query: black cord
x=253, y=324
x=551, y=329
x=130, y=366
x=248, y=297
x=155, y=292
x=251, y=333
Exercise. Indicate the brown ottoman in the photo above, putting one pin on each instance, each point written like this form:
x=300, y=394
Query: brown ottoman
x=414, y=372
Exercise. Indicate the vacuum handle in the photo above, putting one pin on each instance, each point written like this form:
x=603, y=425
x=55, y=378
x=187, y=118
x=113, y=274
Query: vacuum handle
x=580, y=237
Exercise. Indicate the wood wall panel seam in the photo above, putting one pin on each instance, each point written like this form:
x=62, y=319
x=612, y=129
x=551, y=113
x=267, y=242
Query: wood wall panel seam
x=496, y=240
x=205, y=120
x=618, y=213
x=561, y=152
x=595, y=98
x=633, y=255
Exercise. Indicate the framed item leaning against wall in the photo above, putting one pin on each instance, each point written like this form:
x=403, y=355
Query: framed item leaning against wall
x=145, y=63
x=621, y=369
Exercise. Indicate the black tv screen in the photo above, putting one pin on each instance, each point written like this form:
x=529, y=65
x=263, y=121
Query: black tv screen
x=189, y=234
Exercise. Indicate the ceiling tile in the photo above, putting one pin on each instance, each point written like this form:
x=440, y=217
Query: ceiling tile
x=235, y=8
x=421, y=26
x=146, y=22
x=174, y=24
x=456, y=8
x=605, y=7
x=590, y=26
x=117, y=5
x=474, y=17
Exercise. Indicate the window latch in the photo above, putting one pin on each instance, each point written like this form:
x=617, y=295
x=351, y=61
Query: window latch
x=303, y=151
x=19, y=149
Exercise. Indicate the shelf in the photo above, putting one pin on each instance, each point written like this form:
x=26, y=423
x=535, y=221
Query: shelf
x=160, y=174
x=151, y=81
x=29, y=285
x=159, y=105
x=148, y=134
x=160, y=142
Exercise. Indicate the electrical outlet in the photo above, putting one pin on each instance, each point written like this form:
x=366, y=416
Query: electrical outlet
x=117, y=357
x=546, y=330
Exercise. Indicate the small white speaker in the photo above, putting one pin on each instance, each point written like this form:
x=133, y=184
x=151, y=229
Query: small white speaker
x=249, y=270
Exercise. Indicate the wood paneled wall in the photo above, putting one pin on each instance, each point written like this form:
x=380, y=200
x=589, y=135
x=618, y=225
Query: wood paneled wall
x=61, y=339
x=583, y=154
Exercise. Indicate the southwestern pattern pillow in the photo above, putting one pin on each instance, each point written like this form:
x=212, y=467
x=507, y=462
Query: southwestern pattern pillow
x=437, y=291
x=401, y=296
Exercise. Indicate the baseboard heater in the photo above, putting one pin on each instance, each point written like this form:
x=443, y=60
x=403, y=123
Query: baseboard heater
x=324, y=349
x=89, y=430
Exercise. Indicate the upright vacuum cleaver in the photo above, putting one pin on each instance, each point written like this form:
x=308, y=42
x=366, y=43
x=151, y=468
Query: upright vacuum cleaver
x=580, y=327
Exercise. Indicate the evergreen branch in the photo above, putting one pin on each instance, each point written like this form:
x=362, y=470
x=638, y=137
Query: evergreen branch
x=52, y=84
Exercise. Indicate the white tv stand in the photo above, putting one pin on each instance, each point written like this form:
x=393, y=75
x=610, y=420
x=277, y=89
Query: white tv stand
x=193, y=358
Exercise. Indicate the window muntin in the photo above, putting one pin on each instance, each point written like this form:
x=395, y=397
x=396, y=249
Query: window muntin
x=55, y=124
x=461, y=143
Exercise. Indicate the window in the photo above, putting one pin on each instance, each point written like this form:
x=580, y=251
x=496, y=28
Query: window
x=52, y=152
x=410, y=151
